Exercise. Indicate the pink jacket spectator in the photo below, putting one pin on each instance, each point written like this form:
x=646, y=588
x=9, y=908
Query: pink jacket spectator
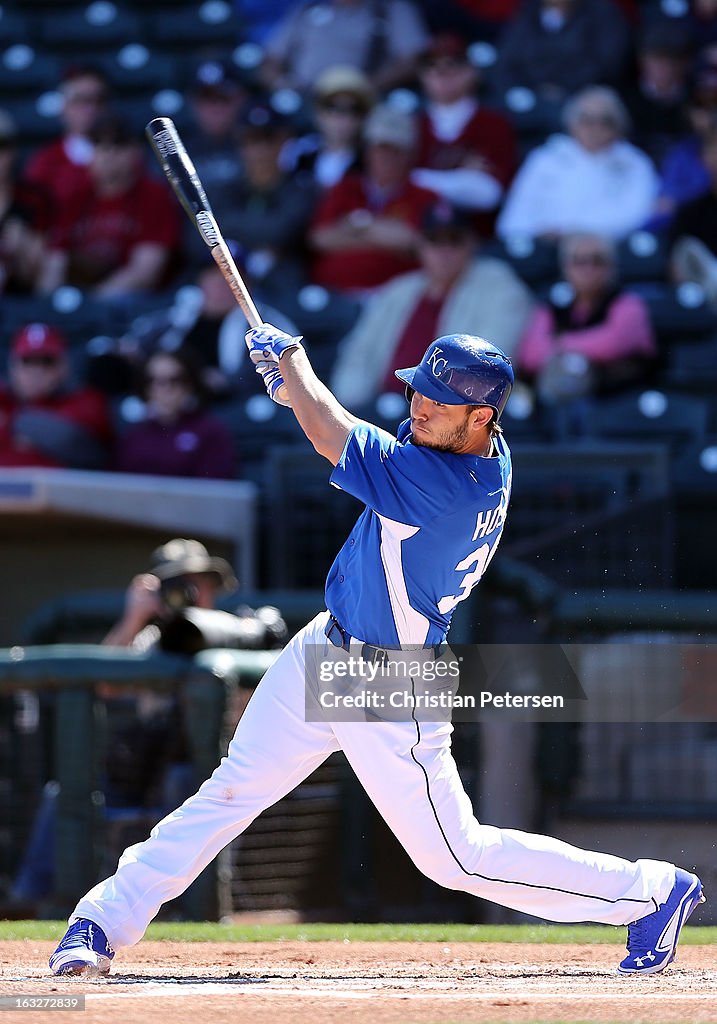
x=624, y=333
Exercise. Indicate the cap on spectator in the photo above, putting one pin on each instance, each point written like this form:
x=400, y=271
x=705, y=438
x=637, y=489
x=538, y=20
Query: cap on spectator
x=446, y=46
x=444, y=218
x=342, y=78
x=216, y=78
x=8, y=128
x=38, y=340
x=387, y=126
x=111, y=129
x=260, y=117
x=180, y=556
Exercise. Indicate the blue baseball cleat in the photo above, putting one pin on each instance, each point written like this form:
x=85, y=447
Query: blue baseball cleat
x=652, y=941
x=83, y=950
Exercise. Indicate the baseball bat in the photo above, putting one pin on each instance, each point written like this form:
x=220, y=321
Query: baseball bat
x=187, y=186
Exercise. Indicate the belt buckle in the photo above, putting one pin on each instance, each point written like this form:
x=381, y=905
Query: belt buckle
x=373, y=654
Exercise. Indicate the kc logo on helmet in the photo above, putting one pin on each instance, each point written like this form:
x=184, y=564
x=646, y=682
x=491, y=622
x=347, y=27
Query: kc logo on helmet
x=438, y=362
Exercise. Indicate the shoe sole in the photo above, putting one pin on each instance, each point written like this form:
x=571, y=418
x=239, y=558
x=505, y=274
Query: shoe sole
x=73, y=968
x=694, y=901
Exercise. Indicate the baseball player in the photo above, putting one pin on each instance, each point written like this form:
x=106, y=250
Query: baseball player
x=436, y=497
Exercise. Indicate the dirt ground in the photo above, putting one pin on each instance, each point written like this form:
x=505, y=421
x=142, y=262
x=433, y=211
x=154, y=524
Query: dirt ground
x=393, y=983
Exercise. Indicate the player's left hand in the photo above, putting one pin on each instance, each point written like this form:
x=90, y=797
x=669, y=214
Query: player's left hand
x=268, y=343
x=273, y=382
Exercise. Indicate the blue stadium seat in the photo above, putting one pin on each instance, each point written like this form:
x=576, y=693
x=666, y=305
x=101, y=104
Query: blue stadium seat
x=135, y=68
x=85, y=30
x=37, y=118
x=692, y=366
x=694, y=469
x=650, y=416
x=77, y=315
x=523, y=419
x=257, y=425
x=14, y=27
x=142, y=107
x=532, y=117
x=533, y=260
x=26, y=70
x=680, y=311
x=212, y=22
x=642, y=256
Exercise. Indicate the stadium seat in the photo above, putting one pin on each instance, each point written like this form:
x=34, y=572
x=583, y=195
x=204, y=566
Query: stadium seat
x=257, y=425
x=532, y=117
x=523, y=419
x=212, y=22
x=86, y=30
x=14, y=27
x=141, y=5
x=534, y=260
x=135, y=68
x=680, y=311
x=37, y=119
x=694, y=468
x=141, y=108
x=77, y=315
x=642, y=256
x=694, y=489
x=650, y=416
x=26, y=70
x=692, y=366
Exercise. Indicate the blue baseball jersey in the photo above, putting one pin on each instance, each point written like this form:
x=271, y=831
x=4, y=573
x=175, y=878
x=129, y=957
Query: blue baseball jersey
x=431, y=524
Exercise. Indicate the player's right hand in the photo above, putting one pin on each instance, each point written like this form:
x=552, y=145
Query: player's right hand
x=268, y=343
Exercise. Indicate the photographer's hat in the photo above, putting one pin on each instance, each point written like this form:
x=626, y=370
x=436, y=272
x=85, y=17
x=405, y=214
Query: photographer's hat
x=179, y=557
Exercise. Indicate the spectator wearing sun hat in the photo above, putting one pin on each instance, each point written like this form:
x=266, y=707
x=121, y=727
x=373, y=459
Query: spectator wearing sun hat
x=341, y=100
x=44, y=419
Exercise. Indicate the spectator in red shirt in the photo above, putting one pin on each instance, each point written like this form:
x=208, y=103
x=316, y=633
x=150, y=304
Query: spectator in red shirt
x=467, y=152
x=24, y=218
x=62, y=167
x=44, y=419
x=120, y=234
x=366, y=227
x=178, y=438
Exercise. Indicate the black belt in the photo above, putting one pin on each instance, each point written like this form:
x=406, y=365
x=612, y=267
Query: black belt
x=339, y=637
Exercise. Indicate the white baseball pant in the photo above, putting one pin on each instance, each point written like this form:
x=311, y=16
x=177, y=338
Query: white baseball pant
x=408, y=771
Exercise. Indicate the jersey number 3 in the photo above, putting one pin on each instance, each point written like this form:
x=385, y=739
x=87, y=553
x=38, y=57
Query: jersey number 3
x=478, y=558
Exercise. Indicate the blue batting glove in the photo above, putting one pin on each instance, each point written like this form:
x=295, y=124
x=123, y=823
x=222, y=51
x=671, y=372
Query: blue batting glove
x=273, y=382
x=268, y=344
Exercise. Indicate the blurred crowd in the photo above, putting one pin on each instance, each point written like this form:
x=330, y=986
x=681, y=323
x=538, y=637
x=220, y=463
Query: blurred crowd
x=377, y=166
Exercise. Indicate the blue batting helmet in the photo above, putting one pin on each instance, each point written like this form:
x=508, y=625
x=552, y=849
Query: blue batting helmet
x=461, y=369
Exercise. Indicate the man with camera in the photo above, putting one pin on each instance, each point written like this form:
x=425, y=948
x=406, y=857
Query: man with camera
x=148, y=766
x=173, y=606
